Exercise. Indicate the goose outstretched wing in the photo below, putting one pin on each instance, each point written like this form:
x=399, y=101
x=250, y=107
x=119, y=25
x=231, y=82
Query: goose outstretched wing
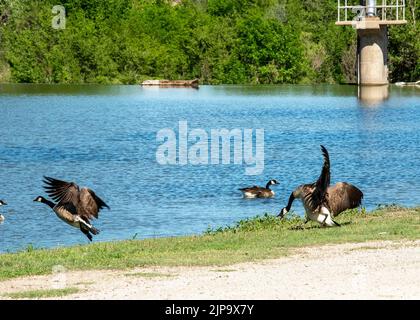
x=317, y=196
x=62, y=192
x=90, y=204
x=344, y=196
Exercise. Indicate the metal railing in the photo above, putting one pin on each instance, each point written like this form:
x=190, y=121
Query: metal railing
x=388, y=10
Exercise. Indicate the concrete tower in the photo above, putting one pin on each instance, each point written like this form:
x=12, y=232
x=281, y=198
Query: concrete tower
x=371, y=19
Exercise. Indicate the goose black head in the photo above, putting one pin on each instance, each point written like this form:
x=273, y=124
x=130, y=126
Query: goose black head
x=2, y=203
x=282, y=213
x=39, y=199
x=270, y=183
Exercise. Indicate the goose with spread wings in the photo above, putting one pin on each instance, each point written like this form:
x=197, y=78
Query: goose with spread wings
x=75, y=206
x=321, y=201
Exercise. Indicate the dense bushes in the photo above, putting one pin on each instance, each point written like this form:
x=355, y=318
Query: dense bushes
x=218, y=41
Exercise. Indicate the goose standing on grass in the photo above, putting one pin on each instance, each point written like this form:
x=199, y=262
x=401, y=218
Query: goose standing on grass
x=322, y=202
x=74, y=206
x=259, y=192
x=2, y=203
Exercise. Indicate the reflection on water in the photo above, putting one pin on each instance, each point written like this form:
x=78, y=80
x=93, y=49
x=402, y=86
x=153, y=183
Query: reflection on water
x=373, y=95
x=104, y=137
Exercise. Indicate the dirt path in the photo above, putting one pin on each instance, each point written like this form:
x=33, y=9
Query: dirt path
x=373, y=270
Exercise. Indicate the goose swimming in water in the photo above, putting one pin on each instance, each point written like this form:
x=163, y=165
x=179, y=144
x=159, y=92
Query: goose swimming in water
x=2, y=203
x=322, y=202
x=259, y=192
x=74, y=206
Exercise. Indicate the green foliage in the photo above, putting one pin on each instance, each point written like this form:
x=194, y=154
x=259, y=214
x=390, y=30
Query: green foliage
x=404, y=46
x=260, y=223
x=231, y=7
x=38, y=294
x=217, y=41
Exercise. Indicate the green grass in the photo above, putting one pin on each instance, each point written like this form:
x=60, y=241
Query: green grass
x=249, y=240
x=36, y=294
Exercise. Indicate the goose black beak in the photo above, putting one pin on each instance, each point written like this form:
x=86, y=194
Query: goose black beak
x=282, y=213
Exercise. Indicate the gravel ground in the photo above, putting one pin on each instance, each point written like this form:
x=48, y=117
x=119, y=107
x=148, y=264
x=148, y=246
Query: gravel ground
x=371, y=270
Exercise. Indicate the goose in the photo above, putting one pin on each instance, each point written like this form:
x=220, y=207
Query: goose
x=75, y=205
x=321, y=201
x=259, y=192
x=2, y=203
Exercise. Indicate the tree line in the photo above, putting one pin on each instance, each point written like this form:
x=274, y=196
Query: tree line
x=217, y=41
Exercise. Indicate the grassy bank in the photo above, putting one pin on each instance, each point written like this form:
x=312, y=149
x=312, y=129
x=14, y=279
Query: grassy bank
x=37, y=294
x=249, y=240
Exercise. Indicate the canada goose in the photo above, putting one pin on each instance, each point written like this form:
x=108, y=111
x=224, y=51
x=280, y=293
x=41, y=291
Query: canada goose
x=322, y=202
x=75, y=206
x=259, y=192
x=2, y=203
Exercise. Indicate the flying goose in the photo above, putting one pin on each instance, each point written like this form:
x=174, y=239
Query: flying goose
x=259, y=192
x=322, y=202
x=74, y=206
x=2, y=203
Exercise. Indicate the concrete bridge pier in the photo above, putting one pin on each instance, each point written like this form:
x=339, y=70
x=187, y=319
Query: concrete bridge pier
x=372, y=53
x=370, y=18
x=370, y=95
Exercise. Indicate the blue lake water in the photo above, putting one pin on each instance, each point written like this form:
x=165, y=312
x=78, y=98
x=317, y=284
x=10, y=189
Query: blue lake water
x=104, y=137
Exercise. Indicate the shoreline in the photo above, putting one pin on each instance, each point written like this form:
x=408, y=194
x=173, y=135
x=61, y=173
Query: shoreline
x=255, y=239
x=369, y=270
x=396, y=84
